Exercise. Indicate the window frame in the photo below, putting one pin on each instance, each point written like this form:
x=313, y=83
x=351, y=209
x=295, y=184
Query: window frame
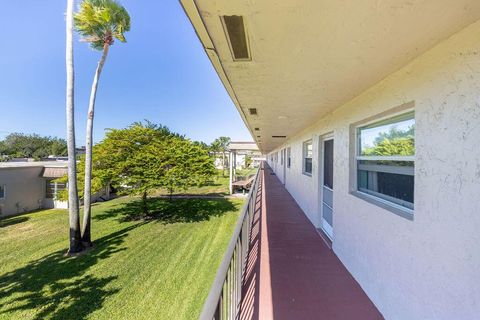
x=304, y=157
x=393, y=205
x=4, y=195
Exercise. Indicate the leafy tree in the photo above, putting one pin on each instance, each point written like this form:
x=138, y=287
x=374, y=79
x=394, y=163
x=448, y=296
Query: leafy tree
x=99, y=22
x=248, y=160
x=394, y=133
x=215, y=147
x=187, y=164
x=73, y=203
x=19, y=145
x=145, y=157
x=393, y=142
x=397, y=147
x=99, y=180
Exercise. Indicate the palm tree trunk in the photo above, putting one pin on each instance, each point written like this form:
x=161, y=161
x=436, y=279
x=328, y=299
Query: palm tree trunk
x=87, y=194
x=73, y=205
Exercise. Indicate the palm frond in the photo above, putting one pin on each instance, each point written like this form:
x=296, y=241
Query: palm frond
x=100, y=21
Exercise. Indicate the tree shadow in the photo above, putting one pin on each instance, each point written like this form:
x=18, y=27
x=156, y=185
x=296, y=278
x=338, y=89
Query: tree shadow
x=171, y=210
x=58, y=287
x=9, y=221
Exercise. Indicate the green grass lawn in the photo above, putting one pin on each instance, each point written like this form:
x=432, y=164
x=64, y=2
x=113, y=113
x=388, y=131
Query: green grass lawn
x=218, y=186
x=156, y=269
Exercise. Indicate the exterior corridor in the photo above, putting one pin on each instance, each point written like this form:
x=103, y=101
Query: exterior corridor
x=291, y=273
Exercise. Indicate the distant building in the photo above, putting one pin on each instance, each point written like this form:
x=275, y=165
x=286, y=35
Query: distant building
x=240, y=152
x=27, y=186
x=80, y=150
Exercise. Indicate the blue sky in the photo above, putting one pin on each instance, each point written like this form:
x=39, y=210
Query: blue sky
x=162, y=74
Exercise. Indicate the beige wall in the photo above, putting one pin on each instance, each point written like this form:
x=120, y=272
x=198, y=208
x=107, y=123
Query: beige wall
x=427, y=268
x=25, y=189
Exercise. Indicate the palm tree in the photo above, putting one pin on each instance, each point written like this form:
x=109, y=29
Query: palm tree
x=73, y=205
x=222, y=143
x=215, y=148
x=99, y=22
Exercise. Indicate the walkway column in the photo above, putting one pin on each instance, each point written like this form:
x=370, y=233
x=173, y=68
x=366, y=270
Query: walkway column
x=235, y=164
x=230, y=162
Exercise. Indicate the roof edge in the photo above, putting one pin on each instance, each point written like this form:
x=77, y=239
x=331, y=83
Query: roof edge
x=191, y=10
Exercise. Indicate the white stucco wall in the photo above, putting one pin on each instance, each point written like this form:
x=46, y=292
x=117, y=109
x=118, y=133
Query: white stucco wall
x=428, y=268
x=25, y=189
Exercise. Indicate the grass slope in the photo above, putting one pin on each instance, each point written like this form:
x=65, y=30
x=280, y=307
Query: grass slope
x=160, y=269
x=218, y=186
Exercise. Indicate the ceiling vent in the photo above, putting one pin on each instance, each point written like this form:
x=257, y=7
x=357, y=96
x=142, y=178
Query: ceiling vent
x=279, y=136
x=253, y=111
x=237, y=37
x=257, y=129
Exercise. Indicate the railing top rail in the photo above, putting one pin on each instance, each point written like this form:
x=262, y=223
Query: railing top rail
x=210, y=305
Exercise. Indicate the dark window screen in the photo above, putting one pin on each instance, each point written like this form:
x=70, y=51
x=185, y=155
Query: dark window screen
x=394, y=186
x=50, y=189
x=328, y=164
x=308, y=165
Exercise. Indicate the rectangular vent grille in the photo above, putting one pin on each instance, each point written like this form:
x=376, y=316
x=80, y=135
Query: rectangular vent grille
x=279, y=136
x=253, y=111
x=237, y=37
x=257, y=129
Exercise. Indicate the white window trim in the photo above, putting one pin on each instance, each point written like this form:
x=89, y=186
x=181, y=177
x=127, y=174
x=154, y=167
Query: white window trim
x=386, y=158
x=304, y=153
x=354, y=155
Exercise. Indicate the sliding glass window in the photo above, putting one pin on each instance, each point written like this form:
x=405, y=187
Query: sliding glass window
x=386, y=158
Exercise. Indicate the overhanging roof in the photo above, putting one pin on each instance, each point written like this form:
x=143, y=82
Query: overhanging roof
x=54, y=172
x=242, y=146
x=309, y=57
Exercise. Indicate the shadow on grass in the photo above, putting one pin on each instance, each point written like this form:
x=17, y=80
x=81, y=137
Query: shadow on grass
x=57, y=287
x=5, y=222
x=171, y=210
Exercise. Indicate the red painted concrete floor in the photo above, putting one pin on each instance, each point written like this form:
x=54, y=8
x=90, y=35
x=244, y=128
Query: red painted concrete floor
x=291, y=273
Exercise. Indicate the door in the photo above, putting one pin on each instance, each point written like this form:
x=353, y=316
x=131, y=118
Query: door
x=327, y=187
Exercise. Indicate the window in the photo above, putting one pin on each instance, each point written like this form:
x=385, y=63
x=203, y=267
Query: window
x=49, y=189
x=385, y=161
x=52, y=188
x=328, y=163
x=2, y=191
x=307, y=157
x=289, y=160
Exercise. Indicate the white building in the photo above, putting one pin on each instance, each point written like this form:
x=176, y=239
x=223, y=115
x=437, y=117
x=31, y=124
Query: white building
x=318, y=82
x=27, y=186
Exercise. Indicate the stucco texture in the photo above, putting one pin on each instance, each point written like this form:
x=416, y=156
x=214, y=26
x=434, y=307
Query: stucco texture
x=427, y=268
x=25, y=189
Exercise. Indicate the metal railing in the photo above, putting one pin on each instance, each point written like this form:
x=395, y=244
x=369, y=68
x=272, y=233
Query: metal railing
x=225, y=296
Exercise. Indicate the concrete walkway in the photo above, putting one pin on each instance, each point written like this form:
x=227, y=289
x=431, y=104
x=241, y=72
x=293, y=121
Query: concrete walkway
x=291, y=273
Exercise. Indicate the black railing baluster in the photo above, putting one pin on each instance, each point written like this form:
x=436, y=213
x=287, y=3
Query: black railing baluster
x=225, y=297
